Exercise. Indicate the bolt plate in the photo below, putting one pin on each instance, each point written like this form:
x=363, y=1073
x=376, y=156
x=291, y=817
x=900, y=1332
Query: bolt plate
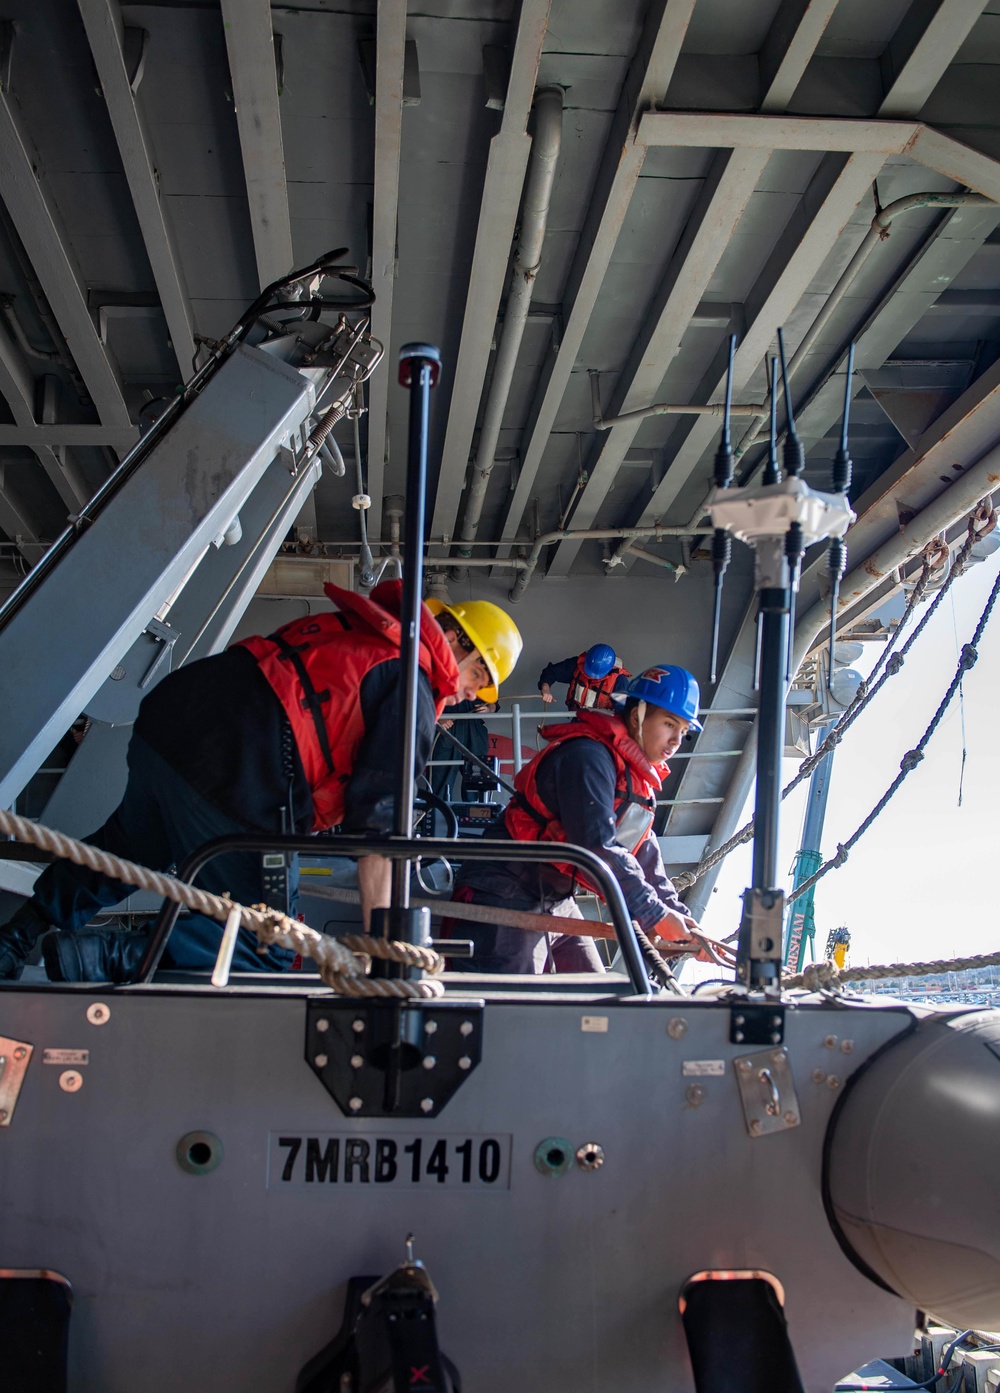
x=394, y=1041
x=15, y=1056
x=767, y=1091
x=756, y=1023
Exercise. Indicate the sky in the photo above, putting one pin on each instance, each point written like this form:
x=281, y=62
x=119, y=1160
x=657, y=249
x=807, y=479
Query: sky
x=919, y=884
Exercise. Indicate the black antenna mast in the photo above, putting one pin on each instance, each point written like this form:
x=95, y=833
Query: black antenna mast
x=836, y=557
x=722, y=546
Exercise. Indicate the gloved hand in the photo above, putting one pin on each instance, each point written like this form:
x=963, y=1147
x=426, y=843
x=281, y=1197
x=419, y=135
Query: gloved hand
x=676, y=928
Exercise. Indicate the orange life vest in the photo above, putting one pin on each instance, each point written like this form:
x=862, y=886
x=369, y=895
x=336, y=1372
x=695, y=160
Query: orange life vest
x=592, y=693
x=316, y=666
x=528, y=819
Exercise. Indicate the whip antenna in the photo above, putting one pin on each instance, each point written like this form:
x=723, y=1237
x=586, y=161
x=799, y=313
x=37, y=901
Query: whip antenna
x=722, y=546
x=772, y=472
x=795, y=455
x=836, y=557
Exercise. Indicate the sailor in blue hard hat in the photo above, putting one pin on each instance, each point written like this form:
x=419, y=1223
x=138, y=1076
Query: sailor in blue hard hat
x=592, y=678
x=663, y=703
x=595, y=785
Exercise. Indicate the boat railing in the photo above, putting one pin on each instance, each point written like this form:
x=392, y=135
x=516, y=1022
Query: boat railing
x=411, y=848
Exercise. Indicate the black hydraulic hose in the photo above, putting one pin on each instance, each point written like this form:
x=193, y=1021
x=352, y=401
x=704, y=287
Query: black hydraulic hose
x=409, y=848
x=143, y=448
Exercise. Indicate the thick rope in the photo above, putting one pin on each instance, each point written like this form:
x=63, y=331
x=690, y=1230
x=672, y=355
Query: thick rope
x=339, y=967
x=982, y=520
x=826, y=976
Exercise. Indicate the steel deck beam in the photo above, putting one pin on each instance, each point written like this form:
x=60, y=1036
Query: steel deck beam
x=505, y=169
x=788, y=47
x=105, y=32
x=250, y=46
x=23, y=193
x=389, y=60
x=621, y=164
x=922, y=48
x=728, y=189
x=34, y=437
x=18, y=387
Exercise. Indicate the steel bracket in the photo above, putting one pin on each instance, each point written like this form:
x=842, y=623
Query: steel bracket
x=761, y=937
x=166, y=637
x=756, y=1023
x=15, y=1056
x=767, y=1092
x=392, y=1058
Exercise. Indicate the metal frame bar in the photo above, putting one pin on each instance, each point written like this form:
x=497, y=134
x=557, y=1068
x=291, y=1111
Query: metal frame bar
x=14, y=518
x=788, y=48
x=34, y=437
x=250, y=46
x=621, y=164
x=413, y=848
x=24, y=195
x=930, y=35
x=713, y=130
x=505, y=170
x=728, y=189
x=389, y=62
x=105, y=28
x=18, y=387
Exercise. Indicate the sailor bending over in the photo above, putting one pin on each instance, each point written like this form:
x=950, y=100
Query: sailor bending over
x=297, y=732
x=595, y=786
x=592, y=679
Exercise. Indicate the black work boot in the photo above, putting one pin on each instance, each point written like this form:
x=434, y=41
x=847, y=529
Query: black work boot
x=17, y=938
x=94, y=955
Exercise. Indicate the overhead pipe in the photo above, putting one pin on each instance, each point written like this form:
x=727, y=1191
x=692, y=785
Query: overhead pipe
x=750, y=408
x=642, y=555
x=599, y=534
x=878, y=232
x=951, y=505
x=546, y=140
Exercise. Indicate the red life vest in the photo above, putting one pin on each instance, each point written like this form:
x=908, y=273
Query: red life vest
x=592, y=693
x=527, y=818
x=316, y=665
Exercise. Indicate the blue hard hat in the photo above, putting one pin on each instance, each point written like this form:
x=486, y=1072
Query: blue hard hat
x=599, y=660
x=672, y=688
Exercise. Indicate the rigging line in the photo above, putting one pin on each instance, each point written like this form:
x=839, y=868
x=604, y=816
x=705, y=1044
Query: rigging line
x=981, y=521
x=825, y=975
x=912, y=757
x=961, y=711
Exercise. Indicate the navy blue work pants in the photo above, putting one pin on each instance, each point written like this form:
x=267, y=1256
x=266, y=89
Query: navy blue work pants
x=159, y=822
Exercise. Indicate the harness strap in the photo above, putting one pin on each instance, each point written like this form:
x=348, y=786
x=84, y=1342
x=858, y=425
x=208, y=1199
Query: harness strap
x=313, y=700
x=522, y=802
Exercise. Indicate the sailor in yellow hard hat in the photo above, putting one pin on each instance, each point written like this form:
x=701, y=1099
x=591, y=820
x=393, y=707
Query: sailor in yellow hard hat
x=294, y=730
x=485, y=630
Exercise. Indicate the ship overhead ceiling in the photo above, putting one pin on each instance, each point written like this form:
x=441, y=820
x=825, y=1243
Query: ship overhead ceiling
x=720, y=164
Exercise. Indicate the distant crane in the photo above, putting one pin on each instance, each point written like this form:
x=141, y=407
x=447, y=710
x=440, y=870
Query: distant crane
x=838, y=941
x=800, y=930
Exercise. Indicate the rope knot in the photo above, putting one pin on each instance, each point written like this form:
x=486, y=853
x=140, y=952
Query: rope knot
x=910, y=760
x=819, y=976
x=841, y=856
x=968, y=658
x=894, y=664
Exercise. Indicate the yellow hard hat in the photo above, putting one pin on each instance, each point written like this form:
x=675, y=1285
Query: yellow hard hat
x=494, y=634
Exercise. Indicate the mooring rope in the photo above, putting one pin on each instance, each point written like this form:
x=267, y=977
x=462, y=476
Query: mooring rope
x=340, y=965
